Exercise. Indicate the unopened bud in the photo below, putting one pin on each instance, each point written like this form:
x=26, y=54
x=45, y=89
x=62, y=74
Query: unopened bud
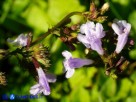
x=120, y=61
x=2, y=53
x=107, y=72
x=41, y=55
x=124, y=65
x=66, y=31
x=92, y=7
x=74, y=27
x=131, y=42
x=86, y=51
x=101, y=19
x=29, y=39
x=114, y=76
x=104, y=8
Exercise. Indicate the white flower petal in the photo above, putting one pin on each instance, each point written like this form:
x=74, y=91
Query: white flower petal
x=83, y=28
x=66, y=54
x=34, y=91
x=128, y=26
x=90, y=25
x=45, y=92
x=69, y=73
x=66, y=65
x=116, y=29
x=84, y=40
x=35, y=86
x=99, y=31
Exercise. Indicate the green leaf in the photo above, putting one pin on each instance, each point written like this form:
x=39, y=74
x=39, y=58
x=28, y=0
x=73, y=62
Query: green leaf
x=80, y=95
x=108, y=89
x=125, y=88
x=82, y=77
x=130, y=99
x=132, y=54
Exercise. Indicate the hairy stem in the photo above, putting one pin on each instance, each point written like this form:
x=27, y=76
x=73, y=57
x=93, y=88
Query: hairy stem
x=56, y=26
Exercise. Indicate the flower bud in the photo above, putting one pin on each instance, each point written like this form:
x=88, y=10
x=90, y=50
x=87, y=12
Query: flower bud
x=41, y=54
x=104, y=8
x=2, y=53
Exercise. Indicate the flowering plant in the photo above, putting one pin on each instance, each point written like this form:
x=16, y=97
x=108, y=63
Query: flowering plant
x=96, y=45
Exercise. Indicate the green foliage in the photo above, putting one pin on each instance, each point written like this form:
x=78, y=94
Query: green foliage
x=87, y=84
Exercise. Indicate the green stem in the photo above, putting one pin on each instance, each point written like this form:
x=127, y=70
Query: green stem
x=56, y=26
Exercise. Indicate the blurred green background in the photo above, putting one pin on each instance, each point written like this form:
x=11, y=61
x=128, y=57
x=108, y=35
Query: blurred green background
x=87, y=84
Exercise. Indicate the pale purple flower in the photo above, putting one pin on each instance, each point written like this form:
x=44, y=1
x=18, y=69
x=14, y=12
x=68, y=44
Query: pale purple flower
x=43, y=85
x=122, y=29
x=91, y=35
x=71, y=63
x=21, y=40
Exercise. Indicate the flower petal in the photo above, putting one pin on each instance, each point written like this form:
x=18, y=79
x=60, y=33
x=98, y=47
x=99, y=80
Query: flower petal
x=77, y=62
x=116, y=29
x=69, y=73
x=51, y=77
x=83, y=28
x=122, y=40
x=35, y=90
x=122, y=28
x=45, y=92
x=128, y=26
x=84, y=40
x=90, y=25
x=90, y=29
x=43, y=80
x=44, y=83
x=92, y=37
x=66, y=65
x=97, y=46
x=86, y=62
x=66, y=54
x=99, y=31
x=21, y=40
x=35, y=86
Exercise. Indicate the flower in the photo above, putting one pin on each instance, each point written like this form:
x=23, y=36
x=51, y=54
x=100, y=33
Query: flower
x=21, y=40
x=71, y=63
x=92, y=36
x=122, y=29
x=43, y=85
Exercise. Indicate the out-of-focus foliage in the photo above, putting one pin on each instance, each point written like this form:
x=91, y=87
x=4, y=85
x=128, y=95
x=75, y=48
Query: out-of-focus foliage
x=88, y=84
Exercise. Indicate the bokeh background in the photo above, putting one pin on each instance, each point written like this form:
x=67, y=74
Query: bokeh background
x=87, y=84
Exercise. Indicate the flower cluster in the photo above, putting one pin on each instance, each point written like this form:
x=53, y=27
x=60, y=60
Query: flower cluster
x=71, y=63
x=44, y=79
x=90, y=35
x=122, y=29
x=43, y=85
x=21, y=40
x=92, y=38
